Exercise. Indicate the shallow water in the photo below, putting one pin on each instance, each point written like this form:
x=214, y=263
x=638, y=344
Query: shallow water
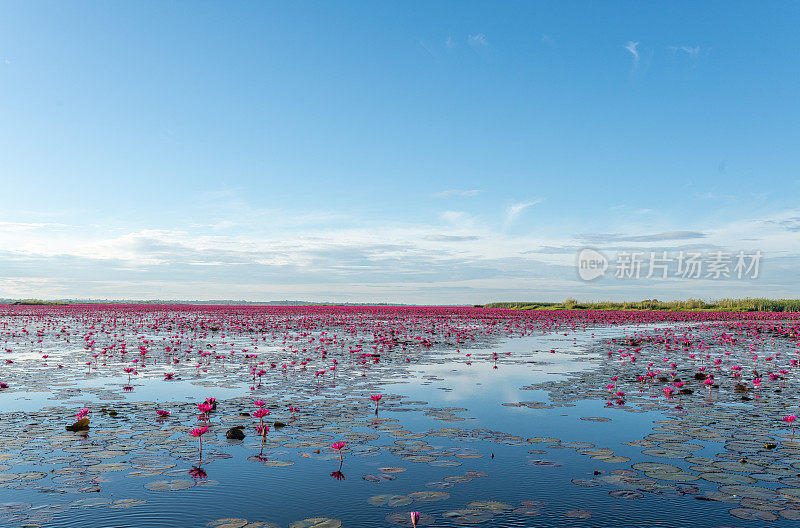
x=519, y=430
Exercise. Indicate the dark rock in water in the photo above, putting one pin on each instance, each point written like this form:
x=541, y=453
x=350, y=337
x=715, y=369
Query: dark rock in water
x=686, y=391
x=80, y=425
x=235, y=433
x=244, y=414
x=279, y=424
x=741, y=387
x=700, y=376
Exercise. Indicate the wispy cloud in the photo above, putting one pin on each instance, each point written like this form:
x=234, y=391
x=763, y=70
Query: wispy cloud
x=714, y=196
x=599, y=238
x=456, y=192
x=478, y=40
x=454, y=217
x=452, y=238
x=27, y=226
x=514, y=210
x=691, y=51
x=633, y=47
x=411, y=262
x=790, y=224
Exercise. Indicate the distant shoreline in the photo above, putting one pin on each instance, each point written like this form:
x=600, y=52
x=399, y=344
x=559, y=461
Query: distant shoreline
x=63, y=302
x=724, y=305
x=736, y=305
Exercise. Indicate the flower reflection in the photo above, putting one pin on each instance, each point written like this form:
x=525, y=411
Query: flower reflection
x=198, y=473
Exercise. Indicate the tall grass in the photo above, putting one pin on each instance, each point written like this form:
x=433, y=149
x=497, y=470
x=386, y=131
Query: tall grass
x=736, y=305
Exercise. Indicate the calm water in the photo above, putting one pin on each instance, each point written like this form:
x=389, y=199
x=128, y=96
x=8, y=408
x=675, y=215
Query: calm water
x=441, y=427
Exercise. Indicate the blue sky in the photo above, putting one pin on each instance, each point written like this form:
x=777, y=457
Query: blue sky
x=431, y=152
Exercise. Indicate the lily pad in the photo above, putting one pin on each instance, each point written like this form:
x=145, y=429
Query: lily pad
x=230, y=522
x=626, y=494
x=393, y=501
x=753, y=515
x=170, y=485
x=492, y=506
x=429, y=496
x=468, y=516
x=317, y=522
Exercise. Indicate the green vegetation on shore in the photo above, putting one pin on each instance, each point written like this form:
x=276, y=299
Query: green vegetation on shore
x=37, y=302
x=736, y=305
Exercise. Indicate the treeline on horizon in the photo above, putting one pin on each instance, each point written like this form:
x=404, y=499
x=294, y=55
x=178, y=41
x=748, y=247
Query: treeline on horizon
x=33, y=302
x=732, y=305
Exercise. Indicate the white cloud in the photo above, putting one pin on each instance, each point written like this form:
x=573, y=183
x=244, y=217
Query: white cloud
x=456, y=192
x=633, y=47
x=454, y=258
x=692, y=51
x=478, y=40
x=514, y=210
x=27, y=226
x=454, y=217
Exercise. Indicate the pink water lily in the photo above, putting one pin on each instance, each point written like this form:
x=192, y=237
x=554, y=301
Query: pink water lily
x=337, y=446
x=198, y=432
x=205, y=408
x=790, y=420
x=376, y=398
